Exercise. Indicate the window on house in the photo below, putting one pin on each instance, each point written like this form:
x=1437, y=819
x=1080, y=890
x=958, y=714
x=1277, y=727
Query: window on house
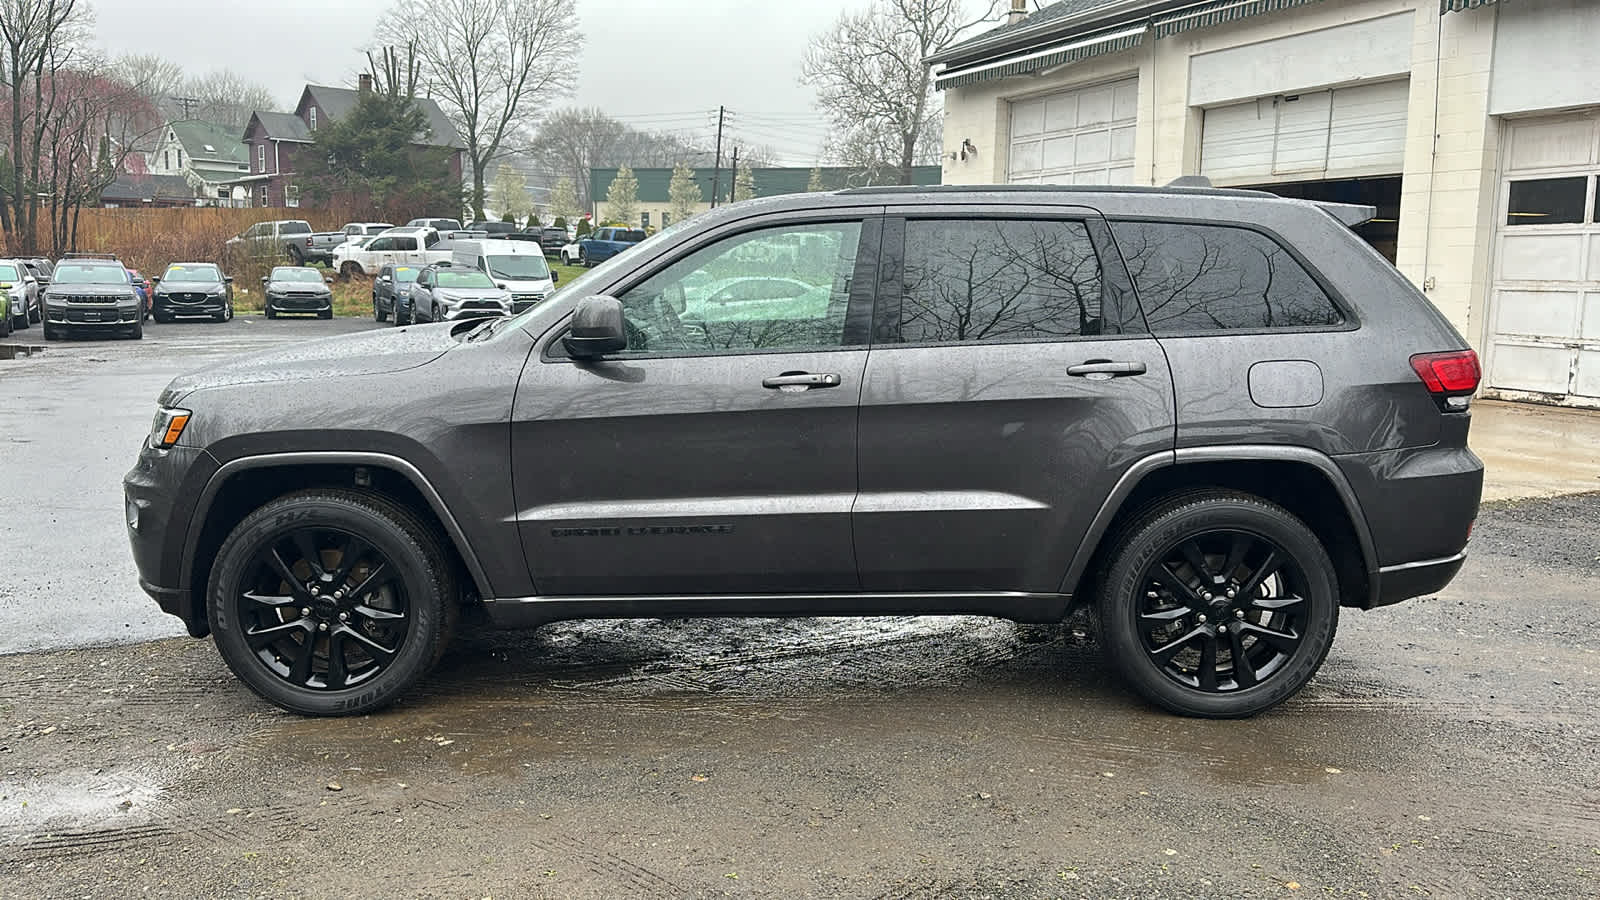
x=999, y=281
x=222, y=193
x=261, y=157
x=313, y=113
x=1547, y=201
x=666, y=219
x=180, y=158
x=166, y=159
x=291, y=195
x=1198, y=278
x=644, y=220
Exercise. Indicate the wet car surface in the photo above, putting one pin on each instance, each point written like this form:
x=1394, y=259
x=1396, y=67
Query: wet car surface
x=1449, y=746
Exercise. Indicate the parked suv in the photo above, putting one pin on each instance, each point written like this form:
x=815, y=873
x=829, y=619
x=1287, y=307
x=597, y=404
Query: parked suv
x=443, y=292
x=1215, y=417
x=192, y=289
x=88, y=293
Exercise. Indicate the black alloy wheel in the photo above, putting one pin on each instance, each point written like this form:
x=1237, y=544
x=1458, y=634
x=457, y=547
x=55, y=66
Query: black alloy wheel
x=1219, y=605
x=1223, y=610
x=331, y=602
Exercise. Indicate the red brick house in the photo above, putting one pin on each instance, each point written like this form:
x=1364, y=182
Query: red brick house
x=274, y=139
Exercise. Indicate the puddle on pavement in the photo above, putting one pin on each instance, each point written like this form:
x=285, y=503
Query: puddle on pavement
x=20, y=351
x=74, y=800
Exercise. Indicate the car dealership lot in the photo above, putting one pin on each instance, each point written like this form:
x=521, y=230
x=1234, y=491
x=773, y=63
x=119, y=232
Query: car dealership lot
x=1448, y=747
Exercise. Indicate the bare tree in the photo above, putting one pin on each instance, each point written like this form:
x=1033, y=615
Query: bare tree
x=36, y=37
x=487, y=62
x=399, y=70
x=155, y=77
x=871, y=82
x=226, y=98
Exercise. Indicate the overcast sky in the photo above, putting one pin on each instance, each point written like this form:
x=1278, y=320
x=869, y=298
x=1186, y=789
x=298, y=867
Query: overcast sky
x=657, y=64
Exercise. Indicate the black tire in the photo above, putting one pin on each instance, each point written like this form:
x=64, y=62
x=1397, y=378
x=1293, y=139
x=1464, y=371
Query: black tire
x=350, y=270
x=269, y=312
x=1158, y=630
x=325, y=314
x=227, y=313
x=426, y=597
x=162, y=319
x=37, y=315
x=50, y=333
x=379, y=314
x=5, y=325
x=136, y=331
x=296, y=255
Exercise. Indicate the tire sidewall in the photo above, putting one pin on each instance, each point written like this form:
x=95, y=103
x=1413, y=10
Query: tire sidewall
x=425, y=604
x=1123, y=588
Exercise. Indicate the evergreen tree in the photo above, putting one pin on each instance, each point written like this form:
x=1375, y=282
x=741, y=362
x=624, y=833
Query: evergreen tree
x=622, y=198
x=683, y=194
x=564, y=199
x=371, y=156
x=744, y=184
x=815, y=183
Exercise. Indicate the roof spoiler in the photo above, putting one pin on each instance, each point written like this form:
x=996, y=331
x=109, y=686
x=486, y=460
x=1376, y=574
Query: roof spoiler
x=1351, y=214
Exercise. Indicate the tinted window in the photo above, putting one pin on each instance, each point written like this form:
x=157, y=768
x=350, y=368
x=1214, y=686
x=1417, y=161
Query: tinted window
x=998, y=281
x=405, y=243
x=1547, y=201
x=294, y=228
x=763, y=290
x=381, y=244
x=634, y=236
x=1213, y=278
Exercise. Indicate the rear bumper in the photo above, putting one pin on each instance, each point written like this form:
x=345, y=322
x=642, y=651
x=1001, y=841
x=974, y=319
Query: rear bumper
x=1392, y=584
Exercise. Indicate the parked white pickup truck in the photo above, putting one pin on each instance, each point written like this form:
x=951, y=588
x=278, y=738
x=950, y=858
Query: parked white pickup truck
x=397, y=246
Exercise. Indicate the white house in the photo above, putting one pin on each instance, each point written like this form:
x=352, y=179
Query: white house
x=209, y=156
x=1472, y=125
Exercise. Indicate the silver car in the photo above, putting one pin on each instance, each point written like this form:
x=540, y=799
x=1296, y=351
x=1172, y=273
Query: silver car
x=16, y=280
x=444, y=293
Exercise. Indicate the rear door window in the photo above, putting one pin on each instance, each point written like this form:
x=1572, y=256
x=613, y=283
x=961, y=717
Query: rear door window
x=999, y=281
x=1195, y=279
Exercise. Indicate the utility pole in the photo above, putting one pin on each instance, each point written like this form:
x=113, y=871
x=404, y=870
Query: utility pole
x=188, y=104
x=716, y=170
x=733, y=177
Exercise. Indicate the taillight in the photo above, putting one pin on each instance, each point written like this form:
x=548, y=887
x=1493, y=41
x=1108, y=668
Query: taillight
x=1455, y=372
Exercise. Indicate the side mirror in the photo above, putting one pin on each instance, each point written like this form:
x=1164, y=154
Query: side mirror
x=153, y=280
x=265, y=279
x=327, y=279
x=383, y=278
x=500, y=284
x=597, y=328
x=554, y=276
x=227, y=279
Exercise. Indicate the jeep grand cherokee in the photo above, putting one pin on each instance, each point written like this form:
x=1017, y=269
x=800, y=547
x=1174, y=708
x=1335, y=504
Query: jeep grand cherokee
x=1216, y=417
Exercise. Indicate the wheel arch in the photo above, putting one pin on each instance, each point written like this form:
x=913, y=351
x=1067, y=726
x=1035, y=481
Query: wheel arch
x=1306, y=482
x=244, y=484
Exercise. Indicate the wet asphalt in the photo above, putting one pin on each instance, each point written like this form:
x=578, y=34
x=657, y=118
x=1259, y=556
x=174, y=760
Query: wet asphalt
x=1450, y=746
x=72, y=416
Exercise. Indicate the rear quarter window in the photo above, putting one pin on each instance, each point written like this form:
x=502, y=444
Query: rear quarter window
x=294, y=228
x=1194, y=278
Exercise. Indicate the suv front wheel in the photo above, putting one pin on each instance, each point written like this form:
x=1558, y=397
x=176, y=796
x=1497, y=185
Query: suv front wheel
x=1218, y=604
x=331, y=602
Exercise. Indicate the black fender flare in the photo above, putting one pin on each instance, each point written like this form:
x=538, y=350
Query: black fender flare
x=1137, y=472
x=396, y=464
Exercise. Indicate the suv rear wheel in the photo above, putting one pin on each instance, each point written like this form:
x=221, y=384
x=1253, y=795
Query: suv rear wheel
x=1218, y=604
x=330, y=602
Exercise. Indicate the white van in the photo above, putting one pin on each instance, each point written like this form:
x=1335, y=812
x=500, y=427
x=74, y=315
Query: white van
x=517, y=266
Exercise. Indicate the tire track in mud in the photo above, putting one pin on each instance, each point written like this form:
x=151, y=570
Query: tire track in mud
x=646, y=881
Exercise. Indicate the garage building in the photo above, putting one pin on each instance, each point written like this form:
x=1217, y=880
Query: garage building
x=1473, y=126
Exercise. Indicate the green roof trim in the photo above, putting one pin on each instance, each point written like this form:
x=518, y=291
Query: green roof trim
x=1449, y=6
x=1225, y=11
x=653, y=183
x=1114, y=41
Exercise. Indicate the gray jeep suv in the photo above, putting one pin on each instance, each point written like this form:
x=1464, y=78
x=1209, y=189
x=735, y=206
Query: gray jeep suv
x=1213, y=417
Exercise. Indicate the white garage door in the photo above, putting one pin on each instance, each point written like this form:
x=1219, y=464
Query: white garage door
x=1081, y=136
x=1345, y=132
x=1545, y=306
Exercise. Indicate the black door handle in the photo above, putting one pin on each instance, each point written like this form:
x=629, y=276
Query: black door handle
x=1101, y=369
x=801, y=381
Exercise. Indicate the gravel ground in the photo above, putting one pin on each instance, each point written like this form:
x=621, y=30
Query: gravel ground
x=1450, y=747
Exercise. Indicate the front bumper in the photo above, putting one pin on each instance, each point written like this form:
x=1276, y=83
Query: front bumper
x=474, y=309
x=158, y=497
x=91, y=314
x=293, y=303
x=209, y=306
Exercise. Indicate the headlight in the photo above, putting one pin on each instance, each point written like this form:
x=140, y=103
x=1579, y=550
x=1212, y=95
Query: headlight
x=216, y=293
x=168, y=427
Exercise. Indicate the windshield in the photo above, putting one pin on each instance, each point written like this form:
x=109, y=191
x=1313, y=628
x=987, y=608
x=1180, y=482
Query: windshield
x=191, y=273
x=466, y=278
x=405, y=274
x=526, y=267
x=90, y=273
x=292, y=273
x=8, y=273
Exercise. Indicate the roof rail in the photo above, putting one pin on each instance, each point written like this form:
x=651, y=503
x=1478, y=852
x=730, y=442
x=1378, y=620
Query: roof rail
x=88, y=254
x=1191, y=181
